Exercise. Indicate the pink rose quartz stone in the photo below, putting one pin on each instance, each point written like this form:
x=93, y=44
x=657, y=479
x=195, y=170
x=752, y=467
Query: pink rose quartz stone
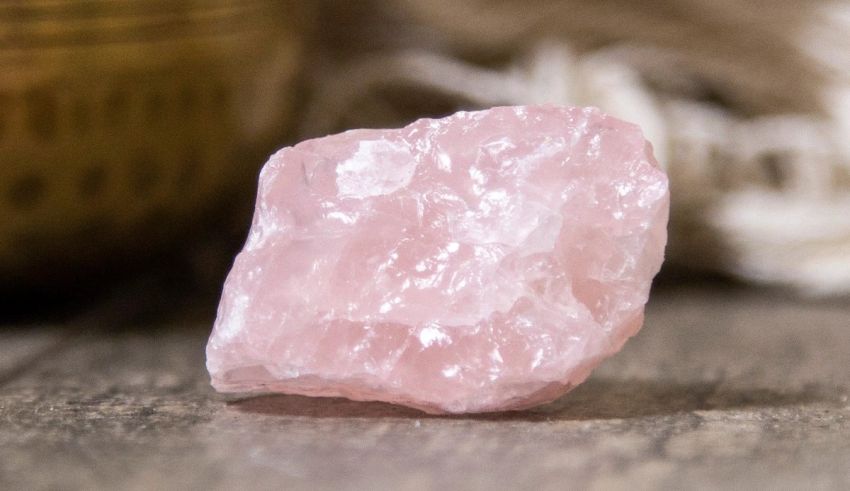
x=485, y=261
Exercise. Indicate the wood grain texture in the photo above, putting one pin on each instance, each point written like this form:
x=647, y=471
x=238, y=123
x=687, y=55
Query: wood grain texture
x=724, y=388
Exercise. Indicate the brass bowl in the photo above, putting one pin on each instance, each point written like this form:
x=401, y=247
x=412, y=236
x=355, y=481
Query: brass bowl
x=123, y=123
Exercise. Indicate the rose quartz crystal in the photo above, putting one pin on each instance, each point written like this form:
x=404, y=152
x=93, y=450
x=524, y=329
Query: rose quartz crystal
x=485, y=261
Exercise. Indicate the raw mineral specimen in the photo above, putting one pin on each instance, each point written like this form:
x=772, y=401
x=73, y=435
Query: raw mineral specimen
x=485, y=261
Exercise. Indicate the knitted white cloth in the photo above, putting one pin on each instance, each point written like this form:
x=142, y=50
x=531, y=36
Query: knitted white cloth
x=746, y=103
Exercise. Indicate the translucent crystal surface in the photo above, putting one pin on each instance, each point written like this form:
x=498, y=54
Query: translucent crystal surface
x=484, y=261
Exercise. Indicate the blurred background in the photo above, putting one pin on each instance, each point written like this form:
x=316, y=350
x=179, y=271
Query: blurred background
x=132, y=132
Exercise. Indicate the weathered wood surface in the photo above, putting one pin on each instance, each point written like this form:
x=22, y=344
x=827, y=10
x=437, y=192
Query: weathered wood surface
x=724, y=388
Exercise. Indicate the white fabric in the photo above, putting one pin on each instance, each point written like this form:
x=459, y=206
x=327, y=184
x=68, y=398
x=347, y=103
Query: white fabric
x=746, y=103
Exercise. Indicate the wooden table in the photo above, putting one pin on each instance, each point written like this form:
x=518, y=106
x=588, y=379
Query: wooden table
x=725, y=387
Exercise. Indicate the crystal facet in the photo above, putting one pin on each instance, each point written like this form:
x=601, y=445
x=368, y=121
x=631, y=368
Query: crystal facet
x=485, y=261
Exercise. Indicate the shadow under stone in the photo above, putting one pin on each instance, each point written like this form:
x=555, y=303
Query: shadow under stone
x=596, y=399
